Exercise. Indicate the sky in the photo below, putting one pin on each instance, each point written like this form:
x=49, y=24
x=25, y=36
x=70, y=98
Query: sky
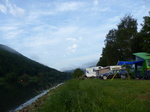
x=64, y=34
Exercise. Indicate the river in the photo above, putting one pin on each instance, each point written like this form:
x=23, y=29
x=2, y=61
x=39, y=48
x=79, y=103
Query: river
x=29, y=102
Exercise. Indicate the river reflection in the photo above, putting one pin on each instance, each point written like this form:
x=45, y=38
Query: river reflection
x=29, y=102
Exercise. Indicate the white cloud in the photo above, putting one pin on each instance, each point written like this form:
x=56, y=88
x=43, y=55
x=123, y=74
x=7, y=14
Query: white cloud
x=15, y=10
x=12, y=34
x=74, y=39
x=11, y=31
x=72, y=48
x=3, y=9
x=40, y=41
x=8, y=28
x=53, y=8
x=36, y=14
x=95, y=2
x=69, y=6
x=105, y=9
x=71, y=39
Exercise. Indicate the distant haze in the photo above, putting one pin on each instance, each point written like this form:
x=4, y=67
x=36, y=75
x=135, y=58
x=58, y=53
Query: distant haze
x=8, y=49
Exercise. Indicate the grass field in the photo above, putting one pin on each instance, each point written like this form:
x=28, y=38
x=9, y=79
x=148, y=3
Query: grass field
x=94, y=95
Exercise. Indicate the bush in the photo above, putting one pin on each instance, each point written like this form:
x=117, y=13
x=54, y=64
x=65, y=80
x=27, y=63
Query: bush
x=77, y=73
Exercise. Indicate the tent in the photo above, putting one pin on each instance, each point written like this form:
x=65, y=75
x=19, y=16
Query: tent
x=132, y=62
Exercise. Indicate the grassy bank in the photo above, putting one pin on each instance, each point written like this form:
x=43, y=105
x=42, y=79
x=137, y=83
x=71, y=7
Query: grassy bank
x=94, y=95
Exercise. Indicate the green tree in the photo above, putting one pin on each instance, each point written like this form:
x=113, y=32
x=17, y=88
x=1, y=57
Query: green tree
x=118, y=42
x=127, y=30
x=145, y=34
x=41, y=81
x=10, y=81
x=77, y=73
x=102, y=61
x=111, y=53
x=136, y=44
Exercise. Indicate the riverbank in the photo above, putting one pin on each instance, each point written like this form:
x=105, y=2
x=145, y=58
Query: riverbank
x=96, y=95
x=36, y=104
x=26, y=107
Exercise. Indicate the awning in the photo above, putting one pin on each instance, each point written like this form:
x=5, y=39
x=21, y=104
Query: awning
x=130, y=62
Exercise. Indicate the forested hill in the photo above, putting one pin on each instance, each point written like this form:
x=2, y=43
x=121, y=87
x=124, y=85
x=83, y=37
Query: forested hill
x=12, y=61
x=15, y=67
x=23, y=76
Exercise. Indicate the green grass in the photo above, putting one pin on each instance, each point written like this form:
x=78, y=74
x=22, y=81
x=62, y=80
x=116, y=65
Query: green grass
x=94, y=95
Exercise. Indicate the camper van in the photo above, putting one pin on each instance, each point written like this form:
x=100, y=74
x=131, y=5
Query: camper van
x=96, y=71
x=93, y=71
x=109, y=68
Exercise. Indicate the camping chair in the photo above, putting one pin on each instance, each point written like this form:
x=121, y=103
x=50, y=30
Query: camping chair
x=146, y=74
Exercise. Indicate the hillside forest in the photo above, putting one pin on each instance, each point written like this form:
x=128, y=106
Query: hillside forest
x=120, y=43
x=21, y=78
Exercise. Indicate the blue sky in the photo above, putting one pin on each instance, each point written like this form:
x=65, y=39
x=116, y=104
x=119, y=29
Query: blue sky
x=64, y=34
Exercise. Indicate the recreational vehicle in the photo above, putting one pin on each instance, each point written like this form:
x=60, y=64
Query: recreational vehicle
x=93, y=71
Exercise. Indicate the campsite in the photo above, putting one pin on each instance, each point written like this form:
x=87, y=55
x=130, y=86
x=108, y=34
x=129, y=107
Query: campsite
x=122, y=92
x=97, y=51
x=137, y=69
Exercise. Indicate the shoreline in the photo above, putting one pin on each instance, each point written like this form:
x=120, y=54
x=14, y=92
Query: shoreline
x=33, y=101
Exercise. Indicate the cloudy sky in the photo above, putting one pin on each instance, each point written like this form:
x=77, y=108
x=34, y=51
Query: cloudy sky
x=64, y=34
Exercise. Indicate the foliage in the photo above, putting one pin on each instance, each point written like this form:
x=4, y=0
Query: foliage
x=94, y=95
x=145, y=34
x=111, y=53
x=136, y=45
x=127, y=30
x=102, y=61
x=15, y=68
x=19, y=73
x=77, y=73
x=120, y=43
x=10, y=81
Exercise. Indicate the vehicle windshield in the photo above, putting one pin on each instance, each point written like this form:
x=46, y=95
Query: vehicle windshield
x=110, y=72
x=122, y=71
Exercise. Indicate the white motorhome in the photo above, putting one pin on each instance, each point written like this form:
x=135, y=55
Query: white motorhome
x=93, y=71
x=108, y=68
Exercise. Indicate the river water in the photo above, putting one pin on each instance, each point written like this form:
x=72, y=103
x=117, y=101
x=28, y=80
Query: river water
x=29, y=102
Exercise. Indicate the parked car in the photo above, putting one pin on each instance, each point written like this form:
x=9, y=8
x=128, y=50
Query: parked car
x=108, y=75
x=122, y=73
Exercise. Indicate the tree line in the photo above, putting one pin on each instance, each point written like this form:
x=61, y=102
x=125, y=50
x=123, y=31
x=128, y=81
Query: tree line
x=120, y=43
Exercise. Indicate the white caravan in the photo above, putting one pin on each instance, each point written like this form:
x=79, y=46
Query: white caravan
x=93, y=71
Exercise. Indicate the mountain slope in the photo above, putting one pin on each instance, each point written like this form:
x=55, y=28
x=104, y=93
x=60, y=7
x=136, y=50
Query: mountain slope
x=8, y=49
x=12, y=61
x=20, y=77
